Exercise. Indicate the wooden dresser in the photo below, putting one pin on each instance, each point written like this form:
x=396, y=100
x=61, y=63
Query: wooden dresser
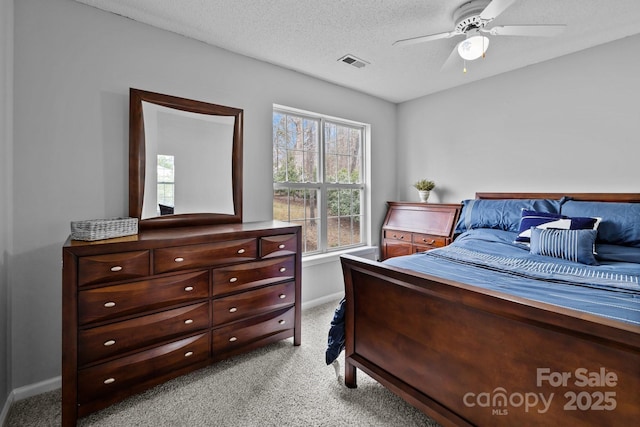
x=140, y=310
x=417, y=227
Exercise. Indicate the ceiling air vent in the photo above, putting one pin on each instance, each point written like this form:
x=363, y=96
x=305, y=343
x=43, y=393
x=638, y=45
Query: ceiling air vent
x=352, y=60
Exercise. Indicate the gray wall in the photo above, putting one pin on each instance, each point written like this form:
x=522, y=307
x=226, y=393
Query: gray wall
x=570, y=124
x=74, y=65
x=6, y=90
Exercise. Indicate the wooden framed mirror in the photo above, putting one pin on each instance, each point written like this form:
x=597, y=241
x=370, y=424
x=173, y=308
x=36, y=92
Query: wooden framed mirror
x=185, y=161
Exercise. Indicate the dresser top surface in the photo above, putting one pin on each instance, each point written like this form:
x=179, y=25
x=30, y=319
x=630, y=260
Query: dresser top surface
x=188, y=235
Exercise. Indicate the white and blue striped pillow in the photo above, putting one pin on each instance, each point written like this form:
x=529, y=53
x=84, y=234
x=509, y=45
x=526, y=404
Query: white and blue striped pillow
x=572, y=245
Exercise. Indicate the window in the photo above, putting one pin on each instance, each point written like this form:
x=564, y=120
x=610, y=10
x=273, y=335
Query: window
x=318, y=178
x=166, y=184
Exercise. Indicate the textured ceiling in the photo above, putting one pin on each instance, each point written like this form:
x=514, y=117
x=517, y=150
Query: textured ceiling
x=310, y=36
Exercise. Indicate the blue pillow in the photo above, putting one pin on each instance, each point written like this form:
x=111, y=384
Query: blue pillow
x=502, y=214
x=620, y=223
x=617, y=253
x=550, y=220
x=572, y=245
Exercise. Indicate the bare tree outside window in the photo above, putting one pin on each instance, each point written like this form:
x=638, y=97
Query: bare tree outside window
x=318, y=178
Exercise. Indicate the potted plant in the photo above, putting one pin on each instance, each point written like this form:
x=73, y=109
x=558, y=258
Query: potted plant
x=424, y=187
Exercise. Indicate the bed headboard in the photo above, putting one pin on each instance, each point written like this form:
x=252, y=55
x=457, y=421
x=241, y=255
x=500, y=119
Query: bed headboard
x=590, y=197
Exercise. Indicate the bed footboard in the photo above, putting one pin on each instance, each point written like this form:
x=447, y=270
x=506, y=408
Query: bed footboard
x=467, y=356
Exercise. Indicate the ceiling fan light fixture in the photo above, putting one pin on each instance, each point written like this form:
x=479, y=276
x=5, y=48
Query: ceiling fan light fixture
x=473, y=47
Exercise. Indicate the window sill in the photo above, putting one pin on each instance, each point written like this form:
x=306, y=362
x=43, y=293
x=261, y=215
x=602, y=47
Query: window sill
x=369, y=252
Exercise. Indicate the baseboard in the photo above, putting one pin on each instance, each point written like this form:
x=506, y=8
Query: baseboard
x=28, y=391
x=37, y=388
x=322, y=300
x=5, y=409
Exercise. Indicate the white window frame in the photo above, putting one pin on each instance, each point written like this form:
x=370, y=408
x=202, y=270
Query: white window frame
x=323, y=187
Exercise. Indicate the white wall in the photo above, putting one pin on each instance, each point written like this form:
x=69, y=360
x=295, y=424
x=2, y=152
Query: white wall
x=570, y=124
x=74, y=65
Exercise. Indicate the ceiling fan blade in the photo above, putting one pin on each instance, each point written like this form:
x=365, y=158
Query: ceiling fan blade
x=422, y=39
x=495, y=8
x=527, y=30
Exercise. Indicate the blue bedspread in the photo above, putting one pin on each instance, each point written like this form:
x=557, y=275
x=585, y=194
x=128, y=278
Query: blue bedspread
x=490, y=259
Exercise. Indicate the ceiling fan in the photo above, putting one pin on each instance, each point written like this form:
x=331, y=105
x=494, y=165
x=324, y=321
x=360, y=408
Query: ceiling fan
x=471, y=20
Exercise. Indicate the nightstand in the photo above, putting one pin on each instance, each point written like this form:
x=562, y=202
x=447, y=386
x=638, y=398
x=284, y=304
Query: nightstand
x=416, y=227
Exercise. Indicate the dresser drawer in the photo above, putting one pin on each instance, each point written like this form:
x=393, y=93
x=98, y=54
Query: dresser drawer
x=253, y=274
x=429, y=240
x=113, y=377
x=397, y=235
x=105, y=341
x=273, y=246
x=134, y=298
x=112, y=267
x=229, y=338
x=204, y=255
x=250, y=303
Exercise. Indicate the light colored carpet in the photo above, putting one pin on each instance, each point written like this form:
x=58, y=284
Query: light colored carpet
x=278, y=385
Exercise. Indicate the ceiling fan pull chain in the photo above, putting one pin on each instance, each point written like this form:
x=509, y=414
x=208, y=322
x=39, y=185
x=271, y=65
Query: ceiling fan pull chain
x=484, y=51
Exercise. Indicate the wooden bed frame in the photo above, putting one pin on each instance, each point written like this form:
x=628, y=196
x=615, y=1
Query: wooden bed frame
x=469, y=356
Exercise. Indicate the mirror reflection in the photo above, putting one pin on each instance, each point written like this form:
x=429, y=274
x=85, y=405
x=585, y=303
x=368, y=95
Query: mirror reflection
x=175, y=141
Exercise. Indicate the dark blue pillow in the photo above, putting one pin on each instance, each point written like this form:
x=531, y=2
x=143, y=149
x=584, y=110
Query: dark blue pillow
x=531, y=219
x=550, y=220
x=572, y=245
x=502, y=214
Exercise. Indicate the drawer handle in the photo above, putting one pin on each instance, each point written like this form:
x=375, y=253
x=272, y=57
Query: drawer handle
x=233, y=309
x=282, y=322
x=116, y=268
x=232, y=339
x=233, y=279
x=179, y=259
x=109, y=380
x=430, y=242
x=188, y=321
x=281, y=246
x=283, y=269
x=282, y=296
x=109, y=343
x=241, y=251
x=188, y=288
x=109, y=304
x=188, y=354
